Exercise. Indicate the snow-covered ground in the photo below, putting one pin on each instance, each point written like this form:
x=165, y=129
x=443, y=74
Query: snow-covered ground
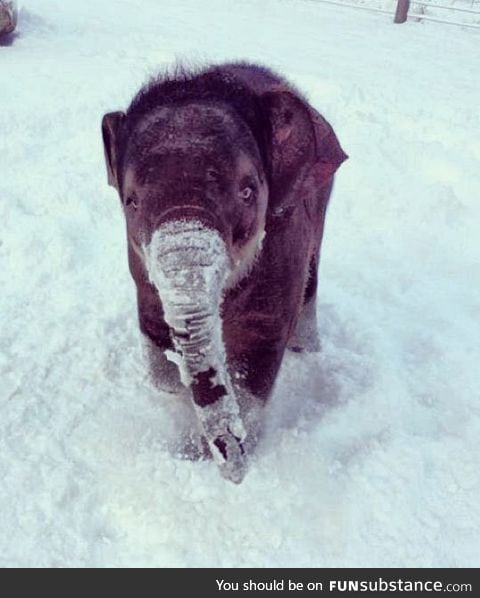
x=371, y=454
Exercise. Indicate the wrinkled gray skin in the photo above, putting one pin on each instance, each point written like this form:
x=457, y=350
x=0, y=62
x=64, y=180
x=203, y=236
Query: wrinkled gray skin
x=224, y=177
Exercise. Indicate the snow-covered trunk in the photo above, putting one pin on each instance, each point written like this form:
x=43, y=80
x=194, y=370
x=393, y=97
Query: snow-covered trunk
x=188, y=264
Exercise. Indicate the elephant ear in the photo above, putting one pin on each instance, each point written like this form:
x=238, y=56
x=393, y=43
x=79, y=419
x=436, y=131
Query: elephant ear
x=301, y=141
x=328, y=153
x=111, y=124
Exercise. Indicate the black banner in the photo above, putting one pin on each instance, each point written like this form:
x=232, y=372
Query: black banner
x=233, y=583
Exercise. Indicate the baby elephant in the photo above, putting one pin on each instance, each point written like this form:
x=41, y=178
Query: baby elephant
x=224, y=176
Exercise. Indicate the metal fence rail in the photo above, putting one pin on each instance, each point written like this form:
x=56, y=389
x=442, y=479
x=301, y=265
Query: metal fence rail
x=456, y=8
x=416, y=17
x=400, y=11
x=358, y=6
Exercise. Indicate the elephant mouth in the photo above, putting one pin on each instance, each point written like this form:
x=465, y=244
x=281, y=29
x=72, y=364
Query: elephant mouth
x=193, y=217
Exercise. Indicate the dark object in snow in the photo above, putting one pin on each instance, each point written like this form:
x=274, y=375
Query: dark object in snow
x=8, y=16
x=224, y=176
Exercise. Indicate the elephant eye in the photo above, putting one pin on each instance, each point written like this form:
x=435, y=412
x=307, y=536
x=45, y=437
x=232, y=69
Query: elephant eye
x=213, y=175
x=132, y=201
x=247, y=194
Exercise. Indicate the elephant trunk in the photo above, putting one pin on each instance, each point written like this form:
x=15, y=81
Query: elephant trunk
x=189, y=264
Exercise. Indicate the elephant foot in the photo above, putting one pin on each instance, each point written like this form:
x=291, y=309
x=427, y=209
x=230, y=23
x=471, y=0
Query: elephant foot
x=192, y=447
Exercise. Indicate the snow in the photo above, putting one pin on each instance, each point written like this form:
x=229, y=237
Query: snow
x=371, y=452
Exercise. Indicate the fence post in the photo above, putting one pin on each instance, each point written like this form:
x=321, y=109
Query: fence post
x=402, y=11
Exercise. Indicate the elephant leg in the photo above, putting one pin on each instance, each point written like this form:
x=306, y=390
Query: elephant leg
x=189, y=443
x=156, y=339
x=253, y=380
x=305, y=335
x=163, y=373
